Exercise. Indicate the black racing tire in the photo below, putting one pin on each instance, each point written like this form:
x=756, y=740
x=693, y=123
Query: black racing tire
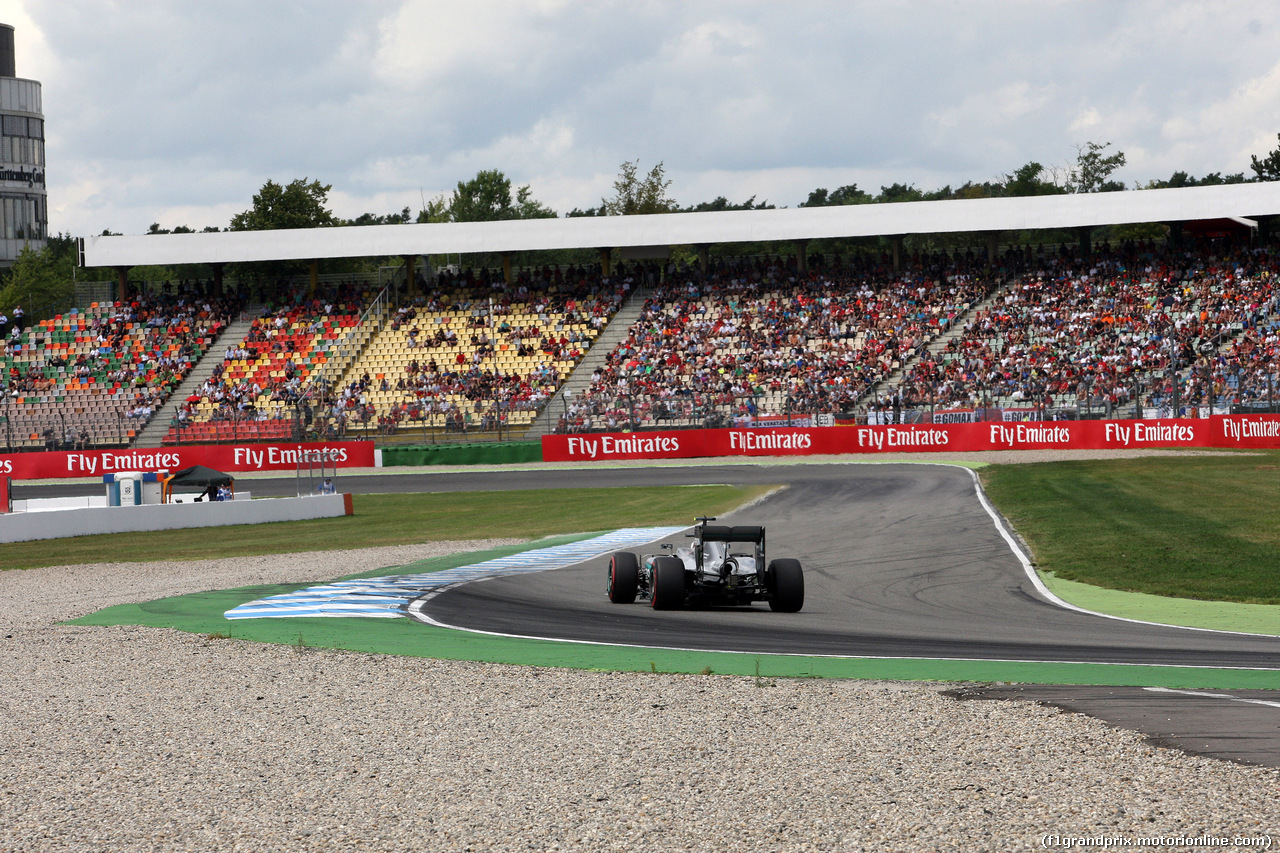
x=786, y=586
x=667, y=583
x=624, y=577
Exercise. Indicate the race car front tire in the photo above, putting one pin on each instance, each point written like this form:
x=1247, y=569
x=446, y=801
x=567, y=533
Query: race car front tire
x=624, y=577
x=786, y=586
x=667, y=583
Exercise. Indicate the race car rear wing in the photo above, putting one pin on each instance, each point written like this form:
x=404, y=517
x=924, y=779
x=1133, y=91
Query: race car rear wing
x=737, y=533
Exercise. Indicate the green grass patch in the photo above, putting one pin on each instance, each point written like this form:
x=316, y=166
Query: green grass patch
x=399, y=519
x=1198, y=527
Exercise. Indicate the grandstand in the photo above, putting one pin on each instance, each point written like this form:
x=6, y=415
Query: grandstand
x=752, y=342
x=94, y=378
x=1060, y=333
x=253, y=393
x=469, y=358
x=1140, y=328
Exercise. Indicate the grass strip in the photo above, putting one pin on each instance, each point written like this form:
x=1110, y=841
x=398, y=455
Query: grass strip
x=401, y=519
x=1193, y=527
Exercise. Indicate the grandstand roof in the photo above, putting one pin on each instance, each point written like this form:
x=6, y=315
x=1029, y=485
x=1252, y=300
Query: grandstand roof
x=919, y=217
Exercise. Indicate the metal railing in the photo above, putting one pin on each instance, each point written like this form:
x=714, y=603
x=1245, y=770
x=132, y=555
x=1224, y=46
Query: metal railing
x=603, y=412
x=39, y=428
x=344, y=352
x=1197, y=392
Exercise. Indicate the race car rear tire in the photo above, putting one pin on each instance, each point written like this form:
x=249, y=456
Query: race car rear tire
x=786, y=586
x=667, y=583
x=624, y=577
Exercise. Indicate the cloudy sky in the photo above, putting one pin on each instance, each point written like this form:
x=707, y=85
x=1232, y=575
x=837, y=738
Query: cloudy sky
x=178, y=112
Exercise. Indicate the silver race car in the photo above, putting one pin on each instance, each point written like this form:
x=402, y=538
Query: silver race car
x=724, y=566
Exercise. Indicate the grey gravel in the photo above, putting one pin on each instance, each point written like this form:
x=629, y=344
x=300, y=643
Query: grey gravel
x=146, y=739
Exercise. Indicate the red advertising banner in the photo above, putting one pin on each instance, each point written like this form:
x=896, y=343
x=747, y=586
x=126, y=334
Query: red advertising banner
x=1258, y=431
x=232, y=458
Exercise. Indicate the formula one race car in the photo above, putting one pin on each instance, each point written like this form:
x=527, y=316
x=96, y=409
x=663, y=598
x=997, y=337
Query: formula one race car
x=709, y=572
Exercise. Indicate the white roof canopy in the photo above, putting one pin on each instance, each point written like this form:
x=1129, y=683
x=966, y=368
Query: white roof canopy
x=803, y=223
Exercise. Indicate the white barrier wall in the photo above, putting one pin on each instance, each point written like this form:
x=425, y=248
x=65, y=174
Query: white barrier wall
x=25, y=526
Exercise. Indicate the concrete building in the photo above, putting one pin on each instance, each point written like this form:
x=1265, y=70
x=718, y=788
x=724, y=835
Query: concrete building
x=24, y=209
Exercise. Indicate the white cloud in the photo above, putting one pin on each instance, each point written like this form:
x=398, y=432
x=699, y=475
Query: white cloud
x=176, y=109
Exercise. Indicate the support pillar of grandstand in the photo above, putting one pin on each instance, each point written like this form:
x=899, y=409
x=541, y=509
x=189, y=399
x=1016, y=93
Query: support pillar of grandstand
x=122, y=283
x=993, y=246
x=217, y=279
x=1266, y=227
x=315, y=277
x=506, y=268
x=1085, y=232
x=802, y=256
x=410, y=276
x=895, y=243
x=605, y=258
x=704, y=257
x=1175, y=234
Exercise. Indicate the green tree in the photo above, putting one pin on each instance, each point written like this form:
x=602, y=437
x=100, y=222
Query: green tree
x=899, y=192
x=484, y=198
x=42, y=280
x=382, y=219
x=301, y=204
x=968, y=190
x=1181, y=179
x=1030, y=180
x=527, y=207
x=843, y=195
x=1093, y=169
x=487, y=198
x=436, y=210
x=633, y=194
x=721, y=203
x=1268, y=168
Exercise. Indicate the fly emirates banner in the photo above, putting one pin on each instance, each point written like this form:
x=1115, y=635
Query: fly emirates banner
x=231, y=458
x=1257, y=431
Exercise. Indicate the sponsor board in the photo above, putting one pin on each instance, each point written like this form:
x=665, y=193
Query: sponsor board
x=232, y=458
x=953, y=416
x=1256, y=431
x=777, y=421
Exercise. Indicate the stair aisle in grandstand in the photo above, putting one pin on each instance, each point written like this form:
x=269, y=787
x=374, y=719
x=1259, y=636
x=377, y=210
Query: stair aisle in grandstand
x=613, y=334
x=158, y=427
x=939, y=344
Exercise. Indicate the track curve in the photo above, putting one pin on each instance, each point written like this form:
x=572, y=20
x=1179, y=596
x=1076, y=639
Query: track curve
x=900, y=561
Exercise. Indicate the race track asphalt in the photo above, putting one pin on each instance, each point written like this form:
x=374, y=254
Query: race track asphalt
x=899, y=561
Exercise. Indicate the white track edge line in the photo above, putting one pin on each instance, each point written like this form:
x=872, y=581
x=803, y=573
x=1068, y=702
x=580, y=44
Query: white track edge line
x=1226, y=696
x=415, y=612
